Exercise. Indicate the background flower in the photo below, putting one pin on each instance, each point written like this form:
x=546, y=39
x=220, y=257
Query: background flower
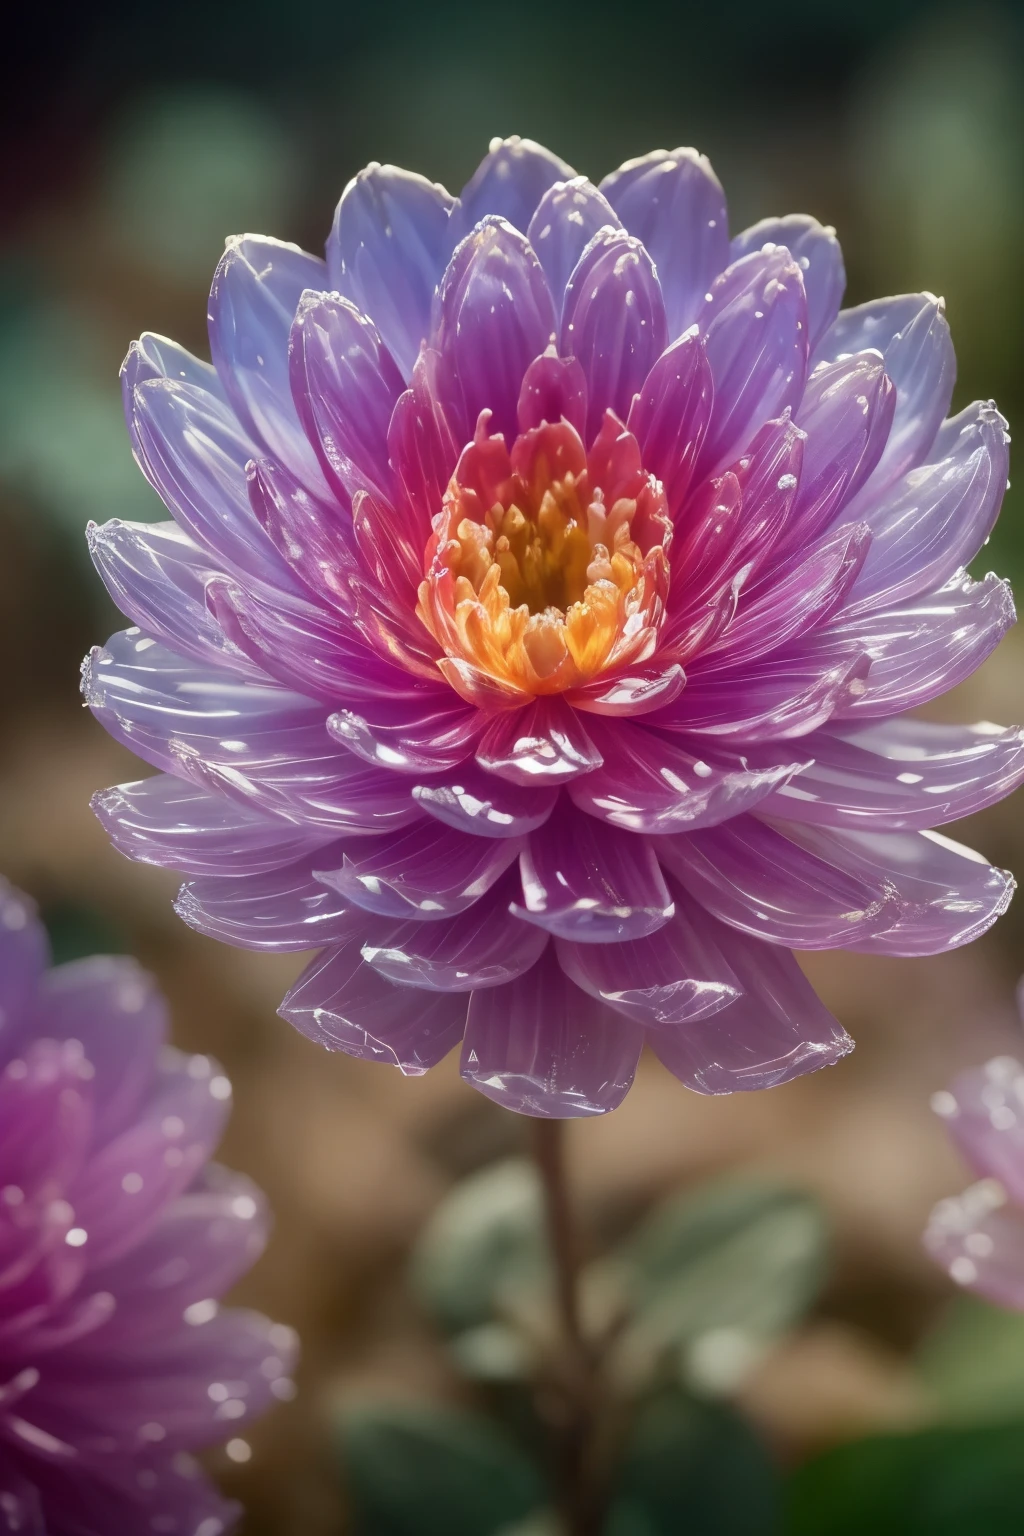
x=117, y=1236
x=549, y=581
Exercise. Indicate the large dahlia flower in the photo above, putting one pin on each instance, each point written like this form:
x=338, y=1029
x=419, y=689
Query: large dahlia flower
x=978, y=1236
x=116, y=1239
x=550, y=585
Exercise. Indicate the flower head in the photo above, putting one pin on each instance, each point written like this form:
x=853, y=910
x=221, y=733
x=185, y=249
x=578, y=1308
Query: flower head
x=117, y=1236
x=549, y=584
x=978, y=1236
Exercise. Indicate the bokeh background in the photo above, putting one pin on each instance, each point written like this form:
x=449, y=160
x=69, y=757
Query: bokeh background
x=134, y=139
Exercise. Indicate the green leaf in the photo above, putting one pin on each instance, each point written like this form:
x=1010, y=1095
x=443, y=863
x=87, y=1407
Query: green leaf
x=427, y=1470
x=973, y=1362
x=694, y=1467
x=942, y=1482
x=485, y=1240
x=720, y=1273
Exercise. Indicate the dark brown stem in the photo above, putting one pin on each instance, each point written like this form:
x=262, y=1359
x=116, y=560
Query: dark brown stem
x=577, y=1487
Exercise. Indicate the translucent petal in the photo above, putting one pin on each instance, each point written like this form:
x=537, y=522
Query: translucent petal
x=509, y=182
x=471, y=800
x=428, y=872
x=567, y=217
x=280, y=910
x=816, y=250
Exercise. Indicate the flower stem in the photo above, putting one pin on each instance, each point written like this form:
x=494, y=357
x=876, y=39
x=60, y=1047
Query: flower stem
x=577, y=1490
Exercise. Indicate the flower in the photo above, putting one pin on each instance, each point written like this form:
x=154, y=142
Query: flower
x=978, y=1236
x=116, y=1239
x=549, y=585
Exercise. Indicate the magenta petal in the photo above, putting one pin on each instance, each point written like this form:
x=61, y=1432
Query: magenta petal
x=674, y=203
x=613, y=322
x=912, y=335
x=427, y=733
x=345, y=384
x=779, y=697
x=637, y=692
x=421, y=445
x=935, y=519
x=770, y=472
x=946, y=895
x=341, y=1002
x=778, y=1029
x=386, y=251
x=256, y=291
x=194, y=454
x=509, y=182
x=815, y=248
x=921, y=648
x=543, y=744
x=652, y=783
x=754, y=324
x=495, y=315
x=157, y=576
x=901, y=775
x=168, y=821
x=592, y=883
x=480, y=803
x=541, y=1047
x=281, y=910
x=482, y=947
x=24, y=951
x=554, y=389
x=674, y=976
x=314, y=537
x=428, y=872
x=755, y=878
x=983, y=1111
x=670, y=415
x=21, y=1512
x=979, y=1239
x=568, y=216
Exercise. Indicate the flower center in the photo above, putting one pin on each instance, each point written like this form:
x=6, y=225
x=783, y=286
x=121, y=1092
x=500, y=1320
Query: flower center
x=532, y=577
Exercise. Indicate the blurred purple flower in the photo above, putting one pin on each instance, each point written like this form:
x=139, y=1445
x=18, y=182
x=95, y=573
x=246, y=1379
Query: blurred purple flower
x=550, y=584
x=116, y=1239
x=979, y=1236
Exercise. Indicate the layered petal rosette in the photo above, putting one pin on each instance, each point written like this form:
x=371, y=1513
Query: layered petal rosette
x=550, y=587
x=978, y=1236
x=117, y=1237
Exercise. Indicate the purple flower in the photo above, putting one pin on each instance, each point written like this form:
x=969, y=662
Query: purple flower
x=116, y=1238
x=978, y=1236
x=549, y=586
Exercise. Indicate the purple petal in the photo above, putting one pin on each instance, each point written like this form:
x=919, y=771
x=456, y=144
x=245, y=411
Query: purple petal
x=495, y=315
x=482, y=947
x=935, y=519
x=341, y=1002
x=754, y=324
x=670, y=415
x=755, y=878
x=421, y=445
x=471, y=800
x=541, y=1047
x=912, y=335
x=628, y=694
x=921, y=648
x=543, y=744
x=651, y=783
x=946, y=894
x=675, y=976
x=509, y=182
x=979, y=1240
x=281, y=910
x=345, y=384
x=815, y=248
x=112, y=1007
x=194, y=454
x=256, y=291
x=983, y=1111
x=24, y=951
x=167, y=821
x=387, y=250
x=157, y=576
x=554, y=389
x=776, y=1031
x=428, y=872
x=674, y=203
x=155, y=357
x=316, y=539
x=782, y=696
x=613, y=322
x=427, y=733
x=592, y=883
x=21, y=1512
x=568, y=216
x=901, y=775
